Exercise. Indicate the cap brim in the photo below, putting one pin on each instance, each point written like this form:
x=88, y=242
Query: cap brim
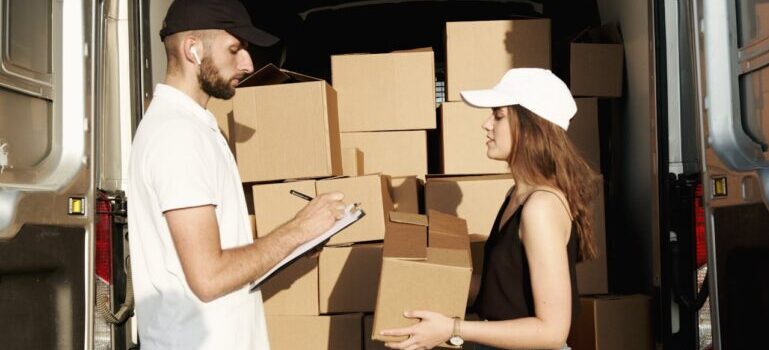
x=254, y=36
x=487, y=98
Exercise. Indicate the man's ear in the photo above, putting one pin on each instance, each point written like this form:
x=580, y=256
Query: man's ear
x=192, y=52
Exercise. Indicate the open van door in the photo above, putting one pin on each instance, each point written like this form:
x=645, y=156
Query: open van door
x=46, y=172
x=733, y=48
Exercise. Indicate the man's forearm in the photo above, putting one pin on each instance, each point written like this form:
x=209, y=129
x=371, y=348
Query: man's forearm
x=235, y=267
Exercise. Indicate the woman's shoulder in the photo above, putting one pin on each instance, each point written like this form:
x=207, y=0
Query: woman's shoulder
x=547, y=202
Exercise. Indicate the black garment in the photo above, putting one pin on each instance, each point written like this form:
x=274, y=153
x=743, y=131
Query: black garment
x=505, y=291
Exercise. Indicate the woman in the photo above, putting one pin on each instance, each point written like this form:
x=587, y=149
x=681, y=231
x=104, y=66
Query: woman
x=528, y=291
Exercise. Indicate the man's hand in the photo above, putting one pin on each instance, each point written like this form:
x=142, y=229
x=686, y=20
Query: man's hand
x=319, y=215
x=212, y=271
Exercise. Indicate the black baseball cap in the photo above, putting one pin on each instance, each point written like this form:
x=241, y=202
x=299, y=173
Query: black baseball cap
x=228, y=15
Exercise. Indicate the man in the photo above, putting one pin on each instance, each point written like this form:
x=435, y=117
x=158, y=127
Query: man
x=191, y=244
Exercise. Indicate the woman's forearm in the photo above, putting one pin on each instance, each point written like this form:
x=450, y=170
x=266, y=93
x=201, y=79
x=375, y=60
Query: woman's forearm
x=523, y=333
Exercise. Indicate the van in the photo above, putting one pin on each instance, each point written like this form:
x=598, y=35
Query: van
x=685, y=149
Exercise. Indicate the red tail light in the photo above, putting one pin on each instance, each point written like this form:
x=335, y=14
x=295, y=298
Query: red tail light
x=104, y=239
x=699, y=227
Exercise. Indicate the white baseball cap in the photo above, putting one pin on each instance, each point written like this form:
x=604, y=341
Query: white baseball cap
x=539, y=90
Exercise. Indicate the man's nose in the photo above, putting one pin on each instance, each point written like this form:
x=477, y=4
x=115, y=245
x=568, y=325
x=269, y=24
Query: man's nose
x=244, y=62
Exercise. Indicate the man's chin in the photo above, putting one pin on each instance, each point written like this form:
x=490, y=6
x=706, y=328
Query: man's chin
x=222, y=95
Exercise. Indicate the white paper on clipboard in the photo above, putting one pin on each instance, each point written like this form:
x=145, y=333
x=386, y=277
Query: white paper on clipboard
x=352, y=214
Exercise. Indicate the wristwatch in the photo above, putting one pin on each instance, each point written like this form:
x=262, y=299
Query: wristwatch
x=455, y=339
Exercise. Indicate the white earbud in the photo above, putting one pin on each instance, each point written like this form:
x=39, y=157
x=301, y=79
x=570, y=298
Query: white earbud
x=194, y=52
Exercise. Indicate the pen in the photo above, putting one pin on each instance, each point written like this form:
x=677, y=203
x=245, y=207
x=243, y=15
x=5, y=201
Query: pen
x=301, y=195
x=308, y=198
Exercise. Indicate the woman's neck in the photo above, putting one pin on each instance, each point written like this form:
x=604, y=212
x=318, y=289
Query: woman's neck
x=521, y=188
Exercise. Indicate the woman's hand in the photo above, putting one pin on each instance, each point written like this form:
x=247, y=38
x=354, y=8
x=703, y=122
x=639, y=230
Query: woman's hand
x=432, y=330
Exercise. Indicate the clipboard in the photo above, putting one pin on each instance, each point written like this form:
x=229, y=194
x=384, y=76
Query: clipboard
x=352, y=215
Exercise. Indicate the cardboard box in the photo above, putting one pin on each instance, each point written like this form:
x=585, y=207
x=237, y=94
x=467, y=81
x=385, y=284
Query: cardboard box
x=274, y=205
x=476, y=199
x=315, y=332
x=252, y=221
x=613, y=322
x=222, y=111
x=463, y=148
x=421, y=276
x=390, y=91
x=293, y=290
x=479, y=53
x=761, y=22
x=596, y=63
x=592, y=275
x=407, y=193
x=286, y=127
x=477, y=247
x=394, y=153
x=349, y=277
x=368, y=343
x=352, y=162
x=583, y=132
x=372, y=193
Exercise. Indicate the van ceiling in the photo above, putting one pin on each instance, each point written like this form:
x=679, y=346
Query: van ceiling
x=313, y=30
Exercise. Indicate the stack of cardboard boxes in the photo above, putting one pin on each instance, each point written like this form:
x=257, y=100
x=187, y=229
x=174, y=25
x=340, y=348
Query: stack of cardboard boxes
x=327, y=294
x=283, y=128
x=365, y=135
x=605, y=321
x=478, y=54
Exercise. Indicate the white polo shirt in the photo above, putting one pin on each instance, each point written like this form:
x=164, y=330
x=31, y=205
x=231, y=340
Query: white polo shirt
x=180, y=159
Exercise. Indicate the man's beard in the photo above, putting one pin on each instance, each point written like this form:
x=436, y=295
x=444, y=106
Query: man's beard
x=212, y=83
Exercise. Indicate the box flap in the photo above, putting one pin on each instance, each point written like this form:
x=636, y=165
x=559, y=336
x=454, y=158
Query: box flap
x=605, y=34
x=447, y=231
x=468, y=177
x=272, y=75
x=440, y=222
x=406, y=241
x=408, y=218
x=449, y=257
x=419, y=49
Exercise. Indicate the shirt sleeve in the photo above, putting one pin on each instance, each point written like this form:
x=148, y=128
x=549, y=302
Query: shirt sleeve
x=182, y=168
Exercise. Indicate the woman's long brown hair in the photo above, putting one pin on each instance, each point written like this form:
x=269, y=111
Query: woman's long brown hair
x=543, y=155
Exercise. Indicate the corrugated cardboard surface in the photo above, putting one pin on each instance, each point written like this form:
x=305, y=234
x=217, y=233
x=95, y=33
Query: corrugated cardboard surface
x=349, y=278
x=406, y=193
x=252, y=221
x=440, y=282
x=274, y=205
x=390, y=91
x=405, y=241
x=596, y=63
x=583, y=132
x=372, y=193
x=613, y=322
x=464, y=141
x=479, y=53
x=418, y=285
x=368, y=343
x=394, y=153
x=341, y=332
x=592, y=275
x=447, y=231
x=476, y=199
x=477, y=246
x=761, y=10
x=352, y=162
x=596, y=69
x=222, y=111
x=293, y=290
x=286, y=131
